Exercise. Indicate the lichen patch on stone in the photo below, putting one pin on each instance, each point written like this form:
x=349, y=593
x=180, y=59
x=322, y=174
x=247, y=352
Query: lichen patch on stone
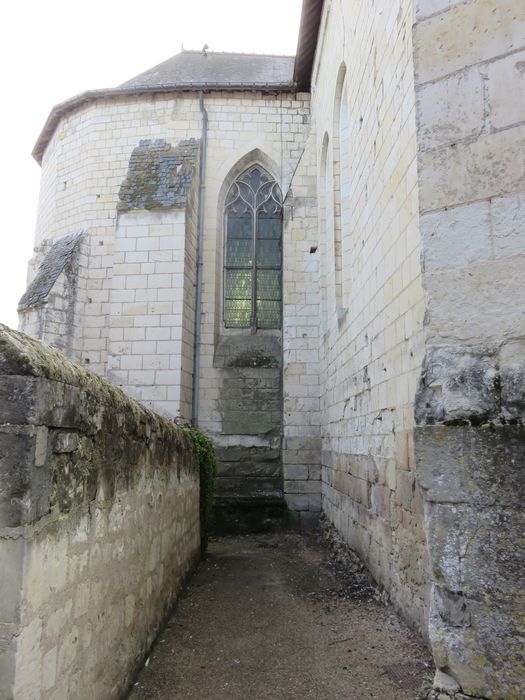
x=159, y=175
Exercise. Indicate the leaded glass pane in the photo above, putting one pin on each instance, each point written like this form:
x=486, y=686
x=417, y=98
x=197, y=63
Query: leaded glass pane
x=268, y=284
x=239, y=252
x=239, y=207
x=238, y=284
x=268, y=253
x=240, y=226
x=269, y=227
x=268, y=313
x=253, y=195
x=237, y=313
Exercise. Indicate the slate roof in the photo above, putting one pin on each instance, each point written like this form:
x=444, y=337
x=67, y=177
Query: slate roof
x=159, y=175
x=50, y=268
x=218, y=70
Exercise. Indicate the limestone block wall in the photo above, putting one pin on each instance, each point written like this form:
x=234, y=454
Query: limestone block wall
x=372, y=300
x=301, y=342
x=250, y=405
x=86, y=162
x=99, y=525
x=153, y=278
x=271, y=131
x=472, y=172
x=145, y=346
x=83, y=169
x=191, y=215
x=470, y=82
x=84, y=166
x=53, y=309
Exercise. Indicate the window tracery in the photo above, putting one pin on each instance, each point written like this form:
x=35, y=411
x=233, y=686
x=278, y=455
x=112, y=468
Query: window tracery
x=253, y=252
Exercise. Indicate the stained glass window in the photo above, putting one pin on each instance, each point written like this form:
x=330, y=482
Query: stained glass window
x=253, y=253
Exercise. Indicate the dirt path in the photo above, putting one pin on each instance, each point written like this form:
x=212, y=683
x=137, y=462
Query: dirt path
x=268, y=617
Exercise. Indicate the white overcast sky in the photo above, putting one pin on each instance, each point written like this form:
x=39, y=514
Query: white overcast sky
x=53, y=49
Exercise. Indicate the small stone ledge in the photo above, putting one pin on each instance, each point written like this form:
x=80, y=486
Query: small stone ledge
x=441, y=695
x=444, y=687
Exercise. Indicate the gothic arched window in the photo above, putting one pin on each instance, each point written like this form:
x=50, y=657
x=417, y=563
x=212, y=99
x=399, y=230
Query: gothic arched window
x=253, y=252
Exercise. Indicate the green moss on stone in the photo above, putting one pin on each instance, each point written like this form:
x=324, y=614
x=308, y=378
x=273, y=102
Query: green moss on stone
x=208, y=470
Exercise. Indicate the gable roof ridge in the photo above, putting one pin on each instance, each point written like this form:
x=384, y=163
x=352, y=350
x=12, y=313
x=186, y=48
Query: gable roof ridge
x=235, y=53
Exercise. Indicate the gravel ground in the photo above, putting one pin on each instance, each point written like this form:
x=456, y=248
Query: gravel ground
x=274, y=616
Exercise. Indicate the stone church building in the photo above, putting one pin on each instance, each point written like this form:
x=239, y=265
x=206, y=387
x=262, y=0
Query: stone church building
x=320, y=261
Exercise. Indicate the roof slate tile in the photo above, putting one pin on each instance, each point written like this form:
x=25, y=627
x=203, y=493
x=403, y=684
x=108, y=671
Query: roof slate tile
x=217, y=70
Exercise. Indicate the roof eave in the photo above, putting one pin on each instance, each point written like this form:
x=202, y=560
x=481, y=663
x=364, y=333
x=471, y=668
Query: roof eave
x=307, y=43
x=89, y=96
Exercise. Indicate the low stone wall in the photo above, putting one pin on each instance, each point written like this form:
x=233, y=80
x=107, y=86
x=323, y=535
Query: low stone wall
x=99, y=525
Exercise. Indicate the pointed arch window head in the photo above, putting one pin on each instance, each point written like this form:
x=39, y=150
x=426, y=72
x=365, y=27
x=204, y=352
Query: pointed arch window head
x=253, y=252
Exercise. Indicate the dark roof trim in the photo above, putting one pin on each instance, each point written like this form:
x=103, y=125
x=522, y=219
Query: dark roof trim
x=90, y=96
x=307, y=43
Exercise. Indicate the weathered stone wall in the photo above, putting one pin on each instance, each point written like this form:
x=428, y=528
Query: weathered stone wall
x=87, y=160
x=301, y=334
x=250, y=405
x=474, y=486
x=187, y=331
x=99, y=525
x=470, y=83
x=84, y=167
x=152, y=290
x=372, y=301
x=53, y=307
x=271, y=131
